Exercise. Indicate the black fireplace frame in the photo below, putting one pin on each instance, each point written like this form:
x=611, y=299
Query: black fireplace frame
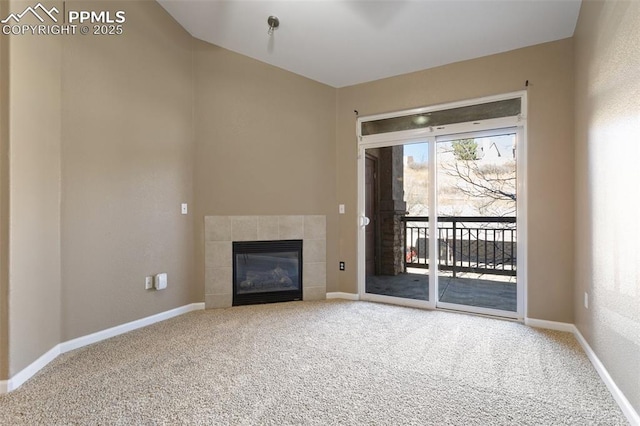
x=249, y=247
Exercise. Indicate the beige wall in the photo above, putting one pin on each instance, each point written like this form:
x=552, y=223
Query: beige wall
x=129, y=127
x=549, y=69
x=98, y=186
x=265, y=143
x=34, y=188
x=4, y=200
x=607, y=198
x=127, y=165
x=100, y=133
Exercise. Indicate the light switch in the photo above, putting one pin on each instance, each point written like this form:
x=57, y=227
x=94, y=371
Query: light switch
x=184, y=208
x=341, y=208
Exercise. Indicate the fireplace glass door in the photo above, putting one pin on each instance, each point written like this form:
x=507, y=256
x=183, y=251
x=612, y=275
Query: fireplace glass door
x=267, y=271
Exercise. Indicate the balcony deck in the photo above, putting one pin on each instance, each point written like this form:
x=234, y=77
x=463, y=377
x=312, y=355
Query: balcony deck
x=476, y=261
x=495, y=292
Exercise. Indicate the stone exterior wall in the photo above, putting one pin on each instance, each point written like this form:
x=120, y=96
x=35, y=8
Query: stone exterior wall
x=392, y=208
x=392, y=243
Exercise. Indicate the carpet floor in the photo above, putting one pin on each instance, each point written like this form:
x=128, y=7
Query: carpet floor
x=318, y=363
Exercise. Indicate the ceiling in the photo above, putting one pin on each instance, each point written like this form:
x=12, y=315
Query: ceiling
x=346, y=42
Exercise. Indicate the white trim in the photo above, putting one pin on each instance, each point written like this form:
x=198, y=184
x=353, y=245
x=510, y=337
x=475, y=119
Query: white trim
x=495, y=313
x=627, y=409
x=490, y=132
x=445, y=129
x=438, y=107
x=617, y=394
x=37, y=365
x=388, y=139
x=28, y=372
x=522, y=217
x=432, y=201
x=360, y=236
x=400, y=301
x=124, y=328
x=342, y=295
x=549, y=325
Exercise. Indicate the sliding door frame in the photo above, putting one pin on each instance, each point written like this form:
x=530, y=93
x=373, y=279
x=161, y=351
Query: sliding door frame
x=429, y=135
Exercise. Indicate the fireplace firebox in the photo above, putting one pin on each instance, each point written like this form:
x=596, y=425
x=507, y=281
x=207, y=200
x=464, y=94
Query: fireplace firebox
x=267, y=271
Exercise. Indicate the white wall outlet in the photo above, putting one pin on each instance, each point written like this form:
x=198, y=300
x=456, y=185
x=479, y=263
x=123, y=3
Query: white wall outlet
x=184, y=209
x=586, y=300
x=160, y=281
x=341, y=208
x=148, y=282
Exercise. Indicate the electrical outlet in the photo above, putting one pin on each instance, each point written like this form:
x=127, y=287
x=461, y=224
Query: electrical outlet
x=342, y=266
x=148, y=283
x=586, y=300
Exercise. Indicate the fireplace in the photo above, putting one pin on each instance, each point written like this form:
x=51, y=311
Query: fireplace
x=221, y=231
x=267, y=271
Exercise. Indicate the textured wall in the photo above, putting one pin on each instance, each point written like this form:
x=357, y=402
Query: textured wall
x=34, y=186
x=265, y=143
x=127, y=165
x=4, y=200
x=607, y=198
x=549, y=68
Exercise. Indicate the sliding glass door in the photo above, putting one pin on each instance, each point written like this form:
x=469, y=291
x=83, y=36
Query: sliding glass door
x=396, y=229
x=476, y=207
x=442, y=202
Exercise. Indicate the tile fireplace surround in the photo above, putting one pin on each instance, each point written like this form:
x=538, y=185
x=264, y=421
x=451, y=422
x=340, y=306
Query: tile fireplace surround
x=221, y=231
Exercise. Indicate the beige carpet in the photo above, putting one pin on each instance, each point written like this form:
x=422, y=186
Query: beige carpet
x=318, y=363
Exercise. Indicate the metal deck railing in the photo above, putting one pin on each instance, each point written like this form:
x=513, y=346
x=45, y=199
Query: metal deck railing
x=478, y=244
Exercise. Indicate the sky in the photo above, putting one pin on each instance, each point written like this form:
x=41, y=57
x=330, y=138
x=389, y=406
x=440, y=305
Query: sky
x=420, y=151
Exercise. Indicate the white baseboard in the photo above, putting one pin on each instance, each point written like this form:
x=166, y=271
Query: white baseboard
x=124, y=328
x=341, y=295
x=16, y=381
x=28, y=372
x=550, y=325
x=617, y=394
